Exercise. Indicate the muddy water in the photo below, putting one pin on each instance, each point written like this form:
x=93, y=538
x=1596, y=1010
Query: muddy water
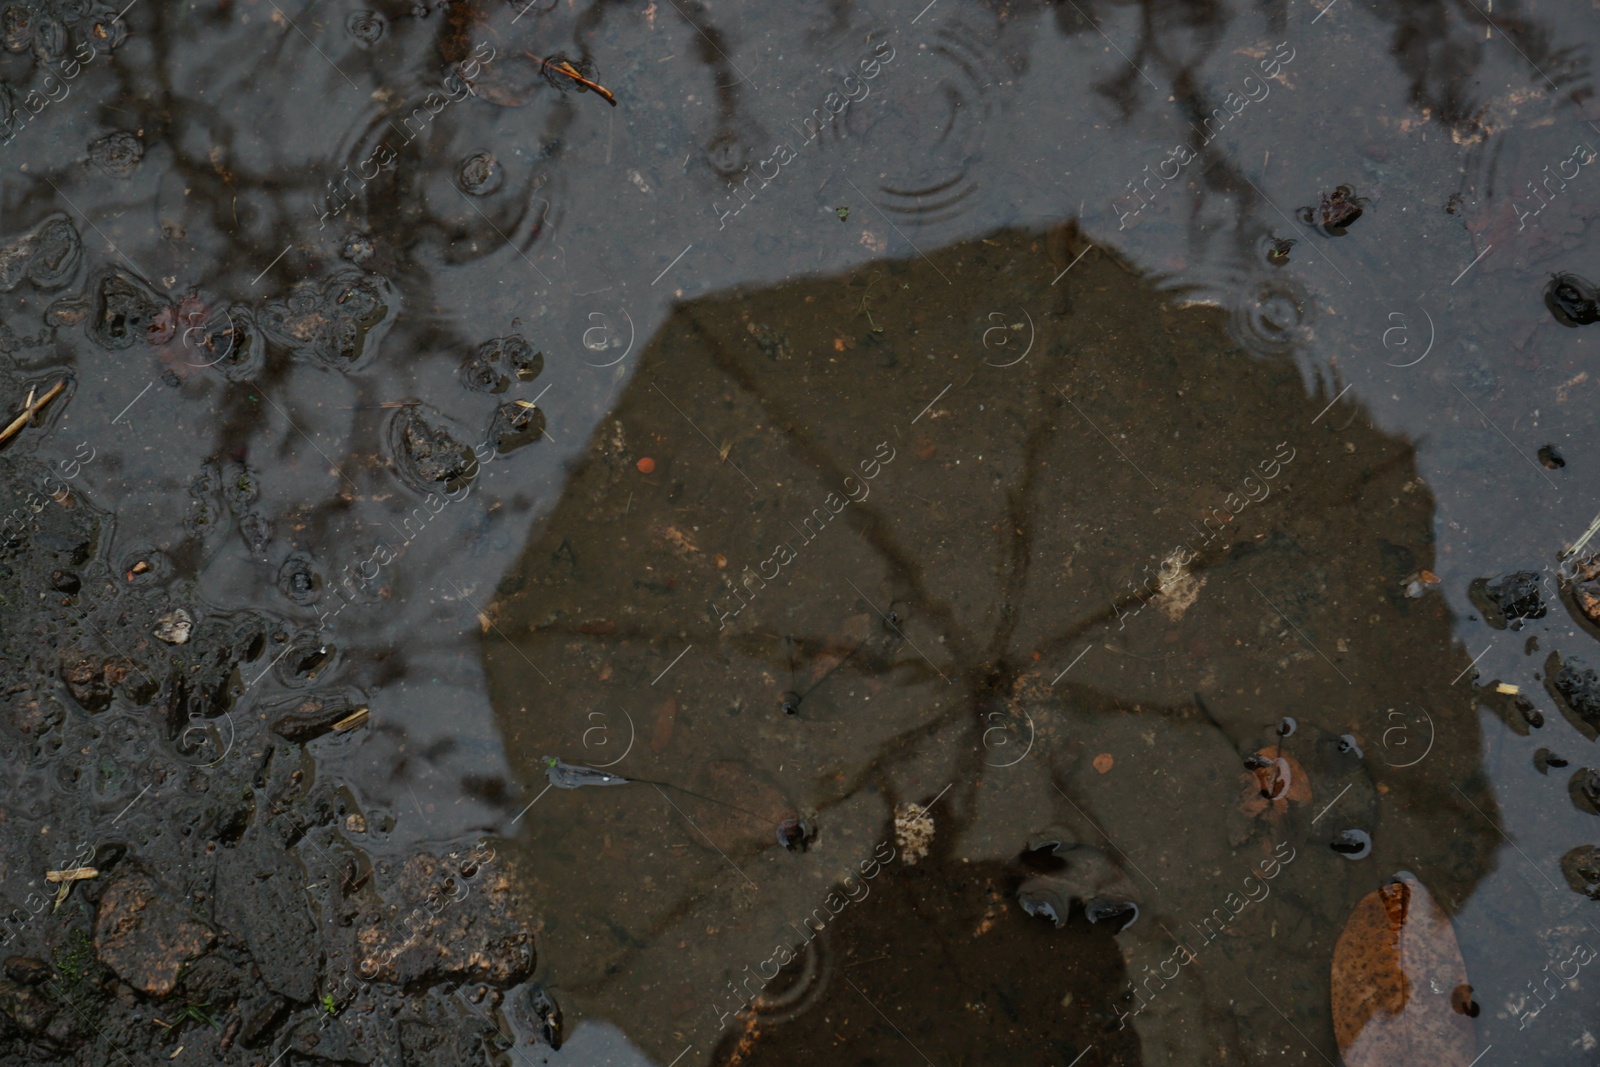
x=947, y=405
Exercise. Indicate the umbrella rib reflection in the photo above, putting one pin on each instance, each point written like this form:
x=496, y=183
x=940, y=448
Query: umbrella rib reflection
x=899, y=562
x=1299, y=631
x=898, y=631
x=702, y=433
x=702, y=833
x=1109, y=441
x=1105, y=835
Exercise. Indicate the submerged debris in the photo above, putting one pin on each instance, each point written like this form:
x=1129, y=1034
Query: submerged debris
x=116, y=155
x=47, y=256
x=565, y=73
x=913, y=832
x=548, y=1013
x=482, y=174
x=1572, y=300
x=174, y=627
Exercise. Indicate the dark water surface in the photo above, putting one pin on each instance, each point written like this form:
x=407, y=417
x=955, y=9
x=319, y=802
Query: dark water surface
x=892, y=438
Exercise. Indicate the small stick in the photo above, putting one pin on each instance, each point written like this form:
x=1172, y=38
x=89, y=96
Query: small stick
x=567, y=69
x=29, y=410
x=71, y=874
x=351, y=721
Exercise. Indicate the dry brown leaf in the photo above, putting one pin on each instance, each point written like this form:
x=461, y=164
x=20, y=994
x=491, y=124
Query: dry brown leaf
x=1399, y=982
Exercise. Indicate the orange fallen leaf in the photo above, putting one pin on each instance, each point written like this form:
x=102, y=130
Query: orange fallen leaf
x=1400, y=990
x=1103, y=762
x=1274, y=784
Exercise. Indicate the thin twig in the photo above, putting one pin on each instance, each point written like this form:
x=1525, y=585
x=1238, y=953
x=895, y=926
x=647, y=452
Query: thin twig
x=571, y=72
x=29, y=410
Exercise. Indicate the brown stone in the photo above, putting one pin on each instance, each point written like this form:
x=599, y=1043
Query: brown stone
x=444, y=925
x=144, y=938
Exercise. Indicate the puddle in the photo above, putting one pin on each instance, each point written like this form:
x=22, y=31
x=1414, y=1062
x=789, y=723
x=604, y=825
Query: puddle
x=540, y=532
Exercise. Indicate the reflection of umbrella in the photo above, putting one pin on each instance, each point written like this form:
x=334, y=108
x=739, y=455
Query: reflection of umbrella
x=1132, y=540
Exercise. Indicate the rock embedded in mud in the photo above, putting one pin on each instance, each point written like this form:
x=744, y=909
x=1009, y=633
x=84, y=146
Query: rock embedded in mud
x=126, y=310
x=441, y=927
x=1335, y=211
x=174, y=627
x=1581, y=867
x=1584, y=789
x=1585, y=587
x=259, y=897
x=548, y=1014
x=143, y=937
x=29, y=970
x=47, y=256
x=91, y=679
x=298, y=579
x=1352, y=844
x=427, y=454
x=1578, y=688
x=1509, y=600
x=358, y=248
x=340, y=322
x=25, y=1008
x=515, y=423
x=482, y=174
x=116, y=155
x=1544, y=759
